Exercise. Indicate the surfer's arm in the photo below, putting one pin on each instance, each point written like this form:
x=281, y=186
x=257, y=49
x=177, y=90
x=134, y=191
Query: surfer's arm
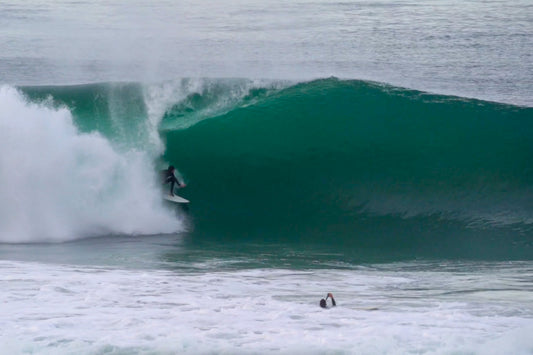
x=180, y=184
x=171, y=178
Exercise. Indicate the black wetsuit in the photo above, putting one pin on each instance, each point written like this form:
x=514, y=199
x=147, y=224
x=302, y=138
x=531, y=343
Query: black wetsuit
x=169, y=178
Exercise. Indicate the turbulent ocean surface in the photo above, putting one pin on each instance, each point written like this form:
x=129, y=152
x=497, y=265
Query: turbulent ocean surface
x=378, y=150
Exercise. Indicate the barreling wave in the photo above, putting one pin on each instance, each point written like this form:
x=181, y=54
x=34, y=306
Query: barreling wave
x=363, y=164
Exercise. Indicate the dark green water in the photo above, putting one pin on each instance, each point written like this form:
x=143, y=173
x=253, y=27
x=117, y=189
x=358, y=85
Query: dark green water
x=348, y=167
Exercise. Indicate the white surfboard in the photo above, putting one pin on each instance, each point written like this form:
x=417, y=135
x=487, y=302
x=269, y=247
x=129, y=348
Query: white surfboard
x=175, y=198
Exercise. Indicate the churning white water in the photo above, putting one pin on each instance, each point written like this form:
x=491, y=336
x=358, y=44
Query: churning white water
x=59, y=184
x=385, y=309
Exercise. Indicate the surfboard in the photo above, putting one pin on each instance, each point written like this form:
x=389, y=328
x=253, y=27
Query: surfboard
x=175, y=198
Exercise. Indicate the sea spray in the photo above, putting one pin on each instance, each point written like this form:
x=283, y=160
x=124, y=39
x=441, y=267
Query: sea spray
x=195, y=99
x=59, y=184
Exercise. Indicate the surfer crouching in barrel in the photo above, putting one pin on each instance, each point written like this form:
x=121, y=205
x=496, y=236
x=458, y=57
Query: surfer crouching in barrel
x=169, y=178
x=324, y=304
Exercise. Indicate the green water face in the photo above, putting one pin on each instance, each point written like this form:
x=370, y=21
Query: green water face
x=365, y=165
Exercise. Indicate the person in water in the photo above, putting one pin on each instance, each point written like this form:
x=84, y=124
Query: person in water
x=170, y=178
x=324, y=304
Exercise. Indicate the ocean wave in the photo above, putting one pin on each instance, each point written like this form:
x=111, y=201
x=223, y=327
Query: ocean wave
x=361, y=162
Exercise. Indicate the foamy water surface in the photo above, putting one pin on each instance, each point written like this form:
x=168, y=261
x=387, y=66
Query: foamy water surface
x=384, y=309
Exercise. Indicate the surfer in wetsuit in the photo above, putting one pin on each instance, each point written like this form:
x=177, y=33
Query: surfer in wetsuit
x=324, y=304
x=169, y=178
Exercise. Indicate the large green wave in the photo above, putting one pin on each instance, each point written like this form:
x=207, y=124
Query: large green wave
x=353, y=164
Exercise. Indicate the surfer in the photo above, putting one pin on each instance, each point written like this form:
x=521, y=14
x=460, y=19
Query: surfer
x=169, y=178
x=323, y=302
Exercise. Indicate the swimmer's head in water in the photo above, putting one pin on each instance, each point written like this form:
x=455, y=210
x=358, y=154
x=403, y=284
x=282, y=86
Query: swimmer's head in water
x=323, y=302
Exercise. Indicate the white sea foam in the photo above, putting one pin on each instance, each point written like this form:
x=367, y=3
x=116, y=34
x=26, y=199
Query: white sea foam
x=68, y=309
x=58, y=184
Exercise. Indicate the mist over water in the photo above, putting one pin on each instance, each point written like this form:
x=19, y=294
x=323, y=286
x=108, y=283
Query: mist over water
x=466, y=48
x=59, y=184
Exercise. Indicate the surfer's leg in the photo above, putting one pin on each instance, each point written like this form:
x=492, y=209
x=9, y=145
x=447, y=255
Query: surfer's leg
x=172, y=188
